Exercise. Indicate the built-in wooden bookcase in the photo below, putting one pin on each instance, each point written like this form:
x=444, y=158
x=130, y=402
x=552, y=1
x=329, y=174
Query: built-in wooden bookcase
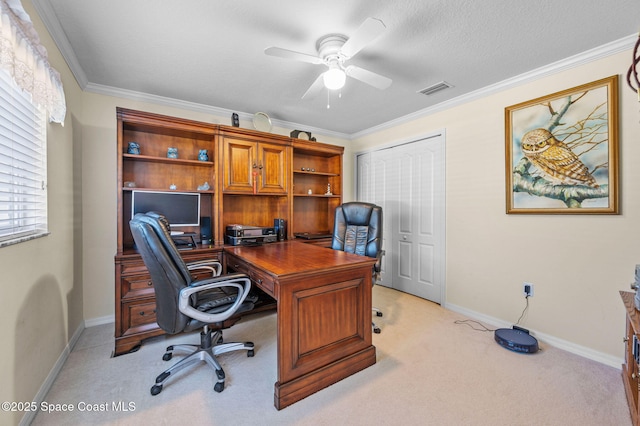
x=253, y=177
x=152, y=170
x=317, y=186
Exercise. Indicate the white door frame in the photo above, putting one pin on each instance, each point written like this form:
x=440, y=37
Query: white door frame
x=441, y=255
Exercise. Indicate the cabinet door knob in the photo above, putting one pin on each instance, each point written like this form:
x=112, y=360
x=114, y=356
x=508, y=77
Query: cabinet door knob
x=149, y=283
x=625, y=339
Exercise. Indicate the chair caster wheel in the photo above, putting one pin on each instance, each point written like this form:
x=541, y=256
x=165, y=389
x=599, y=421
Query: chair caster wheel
x=218, y=387
x=378, y=314
x=167, y=356
x=156, y=389
x=376, y=330
x=250, y=353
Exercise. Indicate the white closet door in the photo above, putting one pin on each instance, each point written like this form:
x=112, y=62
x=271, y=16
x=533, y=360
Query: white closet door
x=408, y=182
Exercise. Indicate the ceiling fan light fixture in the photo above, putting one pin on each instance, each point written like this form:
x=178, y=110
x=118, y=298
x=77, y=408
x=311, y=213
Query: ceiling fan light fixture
x=334, y=79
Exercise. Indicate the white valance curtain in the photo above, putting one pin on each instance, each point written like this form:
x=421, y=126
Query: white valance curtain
x=22, y=55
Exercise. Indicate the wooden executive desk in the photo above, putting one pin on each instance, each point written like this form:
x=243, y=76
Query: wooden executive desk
x=324, y=312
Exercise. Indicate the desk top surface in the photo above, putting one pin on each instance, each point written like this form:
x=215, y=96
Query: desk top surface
x=295, y=257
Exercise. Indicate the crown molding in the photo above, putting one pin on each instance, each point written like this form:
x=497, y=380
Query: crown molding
x=50, y=20
x=206, y=109
x=583, y=58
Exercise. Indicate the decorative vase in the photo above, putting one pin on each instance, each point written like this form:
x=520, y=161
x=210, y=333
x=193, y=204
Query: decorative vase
x=202, y=155
x=172, y=152
x=134, y=148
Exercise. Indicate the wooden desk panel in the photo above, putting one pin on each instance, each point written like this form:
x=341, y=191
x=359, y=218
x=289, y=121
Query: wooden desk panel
x=324, y=312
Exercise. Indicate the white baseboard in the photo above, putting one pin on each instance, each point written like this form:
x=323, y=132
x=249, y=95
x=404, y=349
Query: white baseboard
x=99, y=321
x=53, y=374
x=582, y=351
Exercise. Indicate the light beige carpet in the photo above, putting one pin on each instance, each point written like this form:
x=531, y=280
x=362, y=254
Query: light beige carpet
x=429, y=371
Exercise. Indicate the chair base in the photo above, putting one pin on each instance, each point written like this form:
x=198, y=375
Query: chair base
x=376, y=329
x=206, y=352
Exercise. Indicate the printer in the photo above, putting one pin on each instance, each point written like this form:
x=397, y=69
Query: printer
x=238, y=235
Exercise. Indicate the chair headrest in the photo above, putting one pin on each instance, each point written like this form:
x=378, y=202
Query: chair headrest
x=162, y=228
x=360, y=213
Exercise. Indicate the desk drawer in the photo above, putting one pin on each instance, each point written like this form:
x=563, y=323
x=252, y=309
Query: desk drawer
x=136, y=286
x=263, y=281
x=258, y=278
x=140, y=313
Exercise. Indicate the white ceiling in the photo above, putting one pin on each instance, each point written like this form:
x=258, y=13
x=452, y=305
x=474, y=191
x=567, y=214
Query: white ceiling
x=211, y=53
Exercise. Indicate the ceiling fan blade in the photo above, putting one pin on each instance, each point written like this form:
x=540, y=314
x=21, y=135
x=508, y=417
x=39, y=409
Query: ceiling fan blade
x=315, y=88
x=371, y=78
x=370, y=29
x=290, y=54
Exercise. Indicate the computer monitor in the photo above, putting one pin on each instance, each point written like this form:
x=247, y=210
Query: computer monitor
x=180, y=208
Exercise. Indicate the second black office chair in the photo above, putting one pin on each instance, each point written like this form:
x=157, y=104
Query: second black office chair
x=185, y=304
x=358, y=229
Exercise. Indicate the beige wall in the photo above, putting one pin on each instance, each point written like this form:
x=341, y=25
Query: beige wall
x=41, y=303
x=576, y=263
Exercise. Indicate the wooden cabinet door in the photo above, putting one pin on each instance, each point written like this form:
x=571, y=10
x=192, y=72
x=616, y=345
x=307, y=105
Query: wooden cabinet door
x=272, y=168
x=249, y=163
x=238, y=165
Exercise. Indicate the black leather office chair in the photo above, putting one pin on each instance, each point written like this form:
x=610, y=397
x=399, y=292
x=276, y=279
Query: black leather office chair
x=358, y=229
x=185, y=304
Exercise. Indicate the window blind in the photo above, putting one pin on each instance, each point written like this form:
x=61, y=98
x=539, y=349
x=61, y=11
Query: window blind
x=23, y=165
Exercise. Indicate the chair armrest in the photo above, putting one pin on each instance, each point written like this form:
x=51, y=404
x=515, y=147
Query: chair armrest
x=378, y=265
x=212, y=265
x=239, y=281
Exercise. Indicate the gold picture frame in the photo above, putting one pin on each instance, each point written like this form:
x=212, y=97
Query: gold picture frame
x=562, y=151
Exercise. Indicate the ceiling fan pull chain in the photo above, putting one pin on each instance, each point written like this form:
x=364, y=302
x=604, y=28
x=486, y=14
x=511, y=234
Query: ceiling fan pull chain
x=328, y=99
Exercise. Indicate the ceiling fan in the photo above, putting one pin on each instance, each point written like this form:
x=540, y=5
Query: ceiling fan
x=333, y=51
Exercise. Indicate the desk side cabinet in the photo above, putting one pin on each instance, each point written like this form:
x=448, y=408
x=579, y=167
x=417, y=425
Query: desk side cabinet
x=631, y=356
x=136, y=301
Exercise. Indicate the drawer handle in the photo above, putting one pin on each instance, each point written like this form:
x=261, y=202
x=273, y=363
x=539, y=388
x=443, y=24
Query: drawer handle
x=259, y=281
x=141, y=313
x=149, y=284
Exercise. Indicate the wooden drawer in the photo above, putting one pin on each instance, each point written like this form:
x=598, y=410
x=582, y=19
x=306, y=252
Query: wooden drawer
x=132, y=268
x=258, y=278
x=136, y=286
x=263, y=281
x=139, y=314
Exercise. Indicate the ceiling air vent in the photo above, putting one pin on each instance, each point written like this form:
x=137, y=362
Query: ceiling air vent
x=435, y=88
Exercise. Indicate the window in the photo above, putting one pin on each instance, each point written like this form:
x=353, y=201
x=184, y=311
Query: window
x=23, y=165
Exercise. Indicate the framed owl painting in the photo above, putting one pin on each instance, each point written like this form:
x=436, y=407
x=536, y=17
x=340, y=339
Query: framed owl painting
x=562, y=151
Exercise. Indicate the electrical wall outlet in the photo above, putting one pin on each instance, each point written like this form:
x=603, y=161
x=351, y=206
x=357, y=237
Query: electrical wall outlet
x=527, y=289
